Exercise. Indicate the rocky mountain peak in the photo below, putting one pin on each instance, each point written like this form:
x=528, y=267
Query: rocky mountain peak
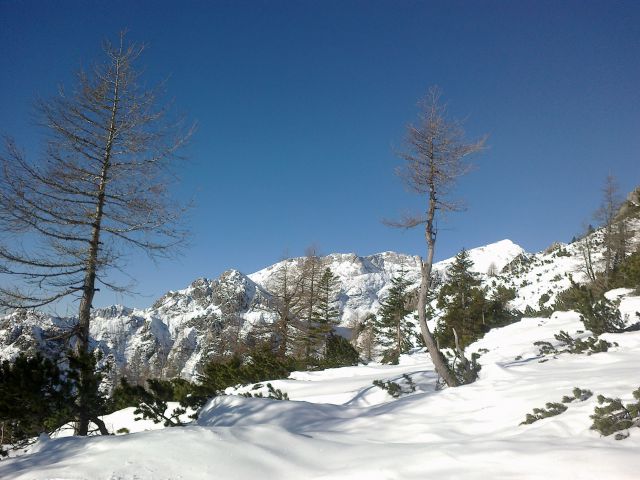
x=179, y=332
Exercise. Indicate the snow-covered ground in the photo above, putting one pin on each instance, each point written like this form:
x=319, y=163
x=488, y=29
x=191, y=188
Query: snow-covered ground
x=339, y=426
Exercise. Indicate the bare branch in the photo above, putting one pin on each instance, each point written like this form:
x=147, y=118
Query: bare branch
x=99, y=187
x=435, y=157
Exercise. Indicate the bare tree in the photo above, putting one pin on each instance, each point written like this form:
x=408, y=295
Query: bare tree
x=295, y=290
x=286, y=290
x=492, y=271
x=606, y=214
x=99, y=188
x=310, y=272
x=435, y=156
x=363, y=335
x=586, y=248
x=614, y=228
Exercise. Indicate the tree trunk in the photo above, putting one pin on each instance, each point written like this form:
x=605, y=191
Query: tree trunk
x=438, y=360
x=88, y=288
x=398, y=335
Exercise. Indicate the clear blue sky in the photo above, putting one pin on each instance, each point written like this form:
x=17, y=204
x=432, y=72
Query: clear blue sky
x=302, y=104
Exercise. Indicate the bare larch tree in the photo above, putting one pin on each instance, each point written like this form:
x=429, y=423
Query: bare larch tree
x=310, y=272
x=435, y=157
x=614, y=232
x=99, y=188
x=286, y=291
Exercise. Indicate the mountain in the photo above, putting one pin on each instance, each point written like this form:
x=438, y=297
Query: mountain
x=366, y=280
x=185, y=328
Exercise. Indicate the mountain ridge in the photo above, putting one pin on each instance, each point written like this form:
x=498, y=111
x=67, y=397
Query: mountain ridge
x=183, y=328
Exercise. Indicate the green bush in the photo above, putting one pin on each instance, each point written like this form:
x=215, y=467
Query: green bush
x=274, y=393
x=151, y=402
x=589, y=345
x=255, y=366
x=627, y=274
x=576, y=297
x=395, y=389
x=553, y=409
x=613, y=416
x=339, y=352
x=578, y=394
x=35, y=397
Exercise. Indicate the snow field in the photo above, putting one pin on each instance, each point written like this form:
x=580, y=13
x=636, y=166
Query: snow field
x=339, y=426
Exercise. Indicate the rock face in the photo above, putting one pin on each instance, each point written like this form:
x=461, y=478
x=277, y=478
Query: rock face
x=31, y=332
x=171, y=338
x=182, y=328
x=185, y=328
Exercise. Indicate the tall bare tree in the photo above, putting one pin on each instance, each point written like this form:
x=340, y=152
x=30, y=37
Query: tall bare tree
x=310, y=272
x=99, y=188
x=605, y=215
x=586, y=248
x=286, y=290
x=435, y=157
x=615, y=235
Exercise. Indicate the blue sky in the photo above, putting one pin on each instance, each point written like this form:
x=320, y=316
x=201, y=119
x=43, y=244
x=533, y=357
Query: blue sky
x=301, y=106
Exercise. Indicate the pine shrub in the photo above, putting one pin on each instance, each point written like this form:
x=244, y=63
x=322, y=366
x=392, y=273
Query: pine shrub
x=466, y=371
x=578, y=394
x=589, y=345
x=152, y=402
x=553, y=409
x=339, y=352
x=601, y=317
x=395, y=389
x=613, y=416
x=35, y=397
x=274, y=393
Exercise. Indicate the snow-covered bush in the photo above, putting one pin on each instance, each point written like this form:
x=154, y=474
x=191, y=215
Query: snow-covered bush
x=553, y=409
x=589, y=345
x=394, y=388
x=274, y=393
x=614, y=416
x=578, y=394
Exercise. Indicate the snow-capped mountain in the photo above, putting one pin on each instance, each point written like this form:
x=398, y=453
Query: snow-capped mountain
x=185, y=328
x=168, y=339
x=365, y=280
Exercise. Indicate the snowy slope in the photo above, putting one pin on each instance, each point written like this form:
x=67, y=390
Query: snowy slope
x=549, y=272
x=498, y=254
x=338, y=426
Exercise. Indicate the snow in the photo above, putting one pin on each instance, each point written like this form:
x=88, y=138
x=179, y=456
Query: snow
x=173, y=336
x=125, y=419
x=365, y=280
x=497, y=254
x=339, y=426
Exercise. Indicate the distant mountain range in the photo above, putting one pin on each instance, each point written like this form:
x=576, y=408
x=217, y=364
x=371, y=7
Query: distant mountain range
x=183, y=328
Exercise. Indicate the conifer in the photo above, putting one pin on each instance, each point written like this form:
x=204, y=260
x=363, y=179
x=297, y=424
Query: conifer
x=613, y=416
x=326, y=313
x=35, y=397
x=393, y=331
x=463, y=302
